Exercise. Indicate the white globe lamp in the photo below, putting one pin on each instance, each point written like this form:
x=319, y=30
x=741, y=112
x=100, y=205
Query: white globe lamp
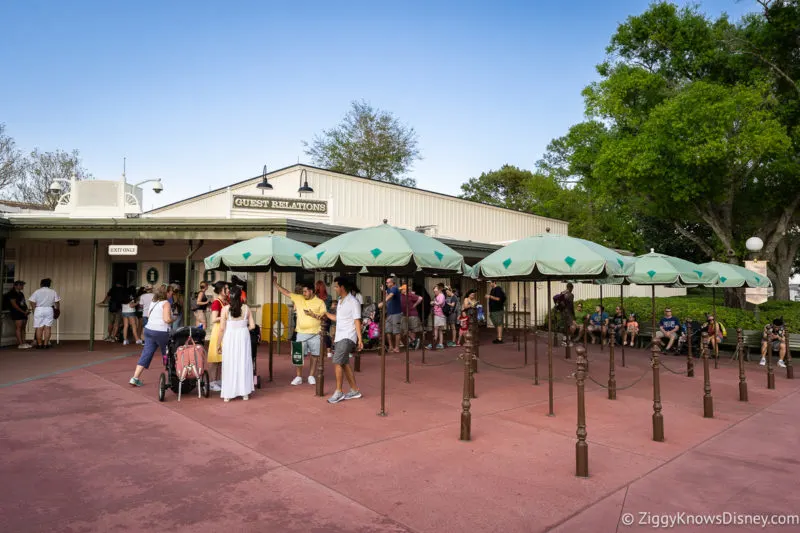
x=754, y=244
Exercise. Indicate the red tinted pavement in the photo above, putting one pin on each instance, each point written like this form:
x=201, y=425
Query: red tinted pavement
x=83, y=451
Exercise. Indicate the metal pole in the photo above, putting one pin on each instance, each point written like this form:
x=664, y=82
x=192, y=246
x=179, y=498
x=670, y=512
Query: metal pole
x=535, y=334
x=473, y=362
x=188, y=282
x=716, y=325
x=424, y=324
x=602, y=310
x=92, y=304
x=770, y=370
x=612, y=380
x=708, y=400
x=658, y=418
x=525, y=320
x=272, y=321
x=689, y=355
x=581, y=447
x=383, y=349
x=280, y=324
x=653, y=297
x=549, y=351
x=516, y=319
x=320, y=387
x=622, y=305
x=2, y=281
x=466, y=416
x=742, y=378
x=408, y=356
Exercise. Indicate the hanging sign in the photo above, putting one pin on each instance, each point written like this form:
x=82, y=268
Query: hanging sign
x=152, y=276
x=756, y=296
x=210, y=276
x=123, y=249
x=279, y=204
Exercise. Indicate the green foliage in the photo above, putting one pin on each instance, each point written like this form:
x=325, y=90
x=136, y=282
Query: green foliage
x=696, y=307
x=507, y=187
x=368, y=142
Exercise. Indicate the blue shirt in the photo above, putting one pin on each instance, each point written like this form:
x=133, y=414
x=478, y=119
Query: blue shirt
x=393, y=307
x=669, y=324
x=598, y=320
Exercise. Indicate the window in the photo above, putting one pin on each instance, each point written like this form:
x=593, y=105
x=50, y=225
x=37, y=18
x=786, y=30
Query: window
x=8, y=281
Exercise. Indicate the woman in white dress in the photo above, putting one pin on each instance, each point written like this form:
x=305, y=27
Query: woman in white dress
x=236, y=322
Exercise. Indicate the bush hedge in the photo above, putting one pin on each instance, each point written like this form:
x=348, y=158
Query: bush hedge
x=696, y=307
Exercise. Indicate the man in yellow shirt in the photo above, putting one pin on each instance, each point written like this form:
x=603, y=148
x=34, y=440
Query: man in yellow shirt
x=307, y=306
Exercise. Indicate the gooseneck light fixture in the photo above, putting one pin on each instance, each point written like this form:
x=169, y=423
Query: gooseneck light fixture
x=304, y=187
x=265, y=185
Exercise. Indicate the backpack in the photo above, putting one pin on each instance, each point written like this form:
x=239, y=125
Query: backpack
x=560, y=300
x=447, y=308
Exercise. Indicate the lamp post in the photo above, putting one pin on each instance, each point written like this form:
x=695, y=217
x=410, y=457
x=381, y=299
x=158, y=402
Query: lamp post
x=754, y=245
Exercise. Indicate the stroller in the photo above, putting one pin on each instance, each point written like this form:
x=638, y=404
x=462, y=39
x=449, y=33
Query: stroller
x=255, y=340
x=186, y=345
x=370, y=327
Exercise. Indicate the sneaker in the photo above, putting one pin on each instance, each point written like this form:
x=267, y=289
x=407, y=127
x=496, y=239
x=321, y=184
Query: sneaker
x=140, y=342
x=330, y=355
x=226, y=400
x=451, y=344
x=24, y=347
x=781, y=363
x=353, y=395
x=126, y=342
x=297, y=381
x=337, y=397
x=763, y=361
x=429, y=347
x=245, y=397
x=214, y=386
x=136, y=382
x=440, y=346
x=311, y=380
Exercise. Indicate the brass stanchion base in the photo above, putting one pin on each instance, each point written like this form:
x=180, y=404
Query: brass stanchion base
x=658, y=427
x=357, y=364
x=743, y=392
x=466, y=426
x=770, y=381
x=708, y=407
x=581, y=459
x=612, y=390
x=789, y=372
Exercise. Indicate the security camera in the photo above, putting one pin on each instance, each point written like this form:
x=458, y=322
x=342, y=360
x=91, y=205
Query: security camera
x=56, y=187
x=157, y=187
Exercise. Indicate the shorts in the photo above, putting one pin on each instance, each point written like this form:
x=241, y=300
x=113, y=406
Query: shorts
x=16, y=316
x=43, y=317
x=342, y=350
x=310, y=343
x=568, y=318
x=115, y=317
x=661, y=335
x=153, y=340
x=775, y=344
x=452, y=319
x=439, y=321
x=413, y=321
x=497, y=318
x=129, y=315
x=393, y=324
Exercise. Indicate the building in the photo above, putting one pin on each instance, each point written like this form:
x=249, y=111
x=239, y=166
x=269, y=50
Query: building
x=95, y=219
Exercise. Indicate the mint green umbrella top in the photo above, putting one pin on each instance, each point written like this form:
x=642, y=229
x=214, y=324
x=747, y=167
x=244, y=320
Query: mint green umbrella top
x=660, y=269
x=384, y=248
x=731, y=276
x=548, y=256
x=260, y=254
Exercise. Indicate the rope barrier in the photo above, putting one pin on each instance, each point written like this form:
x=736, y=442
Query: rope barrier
x=636, y=382
x=502, y=367
x=670, y=370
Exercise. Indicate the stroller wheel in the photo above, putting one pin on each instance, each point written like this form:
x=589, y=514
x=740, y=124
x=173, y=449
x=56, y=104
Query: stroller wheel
x=162, y=386
x=258, y=382
x=204, y=384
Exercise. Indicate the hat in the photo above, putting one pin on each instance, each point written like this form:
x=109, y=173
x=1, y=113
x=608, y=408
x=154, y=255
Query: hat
x=148, y=287
x=19, y=282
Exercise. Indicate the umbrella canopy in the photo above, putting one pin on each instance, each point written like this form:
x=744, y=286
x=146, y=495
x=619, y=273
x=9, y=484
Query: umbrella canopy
x=732, y=276
x=660, y=269
x=548, y=256
x=382, y=248
x=260, y=254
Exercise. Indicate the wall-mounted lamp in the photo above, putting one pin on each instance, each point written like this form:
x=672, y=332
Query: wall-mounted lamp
x=158, y=242
x=265, y=185
x=304, y=187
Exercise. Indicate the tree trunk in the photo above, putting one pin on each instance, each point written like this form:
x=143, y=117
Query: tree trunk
x=780, y=279
x=734, y=298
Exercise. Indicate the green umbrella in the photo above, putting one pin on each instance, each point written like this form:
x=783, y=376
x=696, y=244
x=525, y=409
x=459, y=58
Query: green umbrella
x=733, y=276
x=260, y=254
x=270, y=253
x=546, y=257
x=383, y=249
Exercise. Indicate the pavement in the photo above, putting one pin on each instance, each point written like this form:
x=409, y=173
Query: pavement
x=82, y=451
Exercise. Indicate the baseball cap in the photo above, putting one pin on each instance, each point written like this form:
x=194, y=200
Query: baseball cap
x=19, y=282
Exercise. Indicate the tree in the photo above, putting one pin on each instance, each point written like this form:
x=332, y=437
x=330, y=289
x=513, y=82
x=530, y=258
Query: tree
x=10, y=159
x=41, y=169
x=507, y=187
x=368, y=142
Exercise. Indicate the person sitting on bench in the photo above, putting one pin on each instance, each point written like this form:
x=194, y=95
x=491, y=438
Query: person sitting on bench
x=598, y=323
x=669, y=328
x=774, y=338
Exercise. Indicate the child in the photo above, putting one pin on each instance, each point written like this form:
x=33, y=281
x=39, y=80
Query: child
x=633, y=329
x=463, y=326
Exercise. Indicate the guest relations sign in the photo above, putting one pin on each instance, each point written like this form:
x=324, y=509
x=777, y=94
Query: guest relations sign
x=280, y=204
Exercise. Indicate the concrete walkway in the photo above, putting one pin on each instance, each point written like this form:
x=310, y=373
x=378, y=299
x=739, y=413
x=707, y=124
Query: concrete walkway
x=83, y=451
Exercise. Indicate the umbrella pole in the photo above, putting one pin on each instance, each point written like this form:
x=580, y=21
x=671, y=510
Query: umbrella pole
x=424, y=323
x=383, y=350
x=271, y=316
x=622, y=305
x=716, y=319
x=653, y=310
x=549, y=351
x=535, y=334
x=516, y=319
x=525, y=320
x=408, y=329
x=602, y=311
x=280, y=324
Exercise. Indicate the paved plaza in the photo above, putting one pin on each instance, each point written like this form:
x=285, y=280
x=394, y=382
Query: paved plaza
x=83, y=451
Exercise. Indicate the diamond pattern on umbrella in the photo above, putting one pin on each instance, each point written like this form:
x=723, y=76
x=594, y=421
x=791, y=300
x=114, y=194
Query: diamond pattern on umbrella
x=246, y=255
x=298, y=256
x=569, y=260
x=376, y=252
x=723, y=279
x=651, y=273
x=439, y=255
x=320, y=254
x=758, y=279
x=507, y=263
x=699, y=273
x=621, y=263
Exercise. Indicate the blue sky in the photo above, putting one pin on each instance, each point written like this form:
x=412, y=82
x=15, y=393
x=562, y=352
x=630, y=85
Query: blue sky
x=203, y=94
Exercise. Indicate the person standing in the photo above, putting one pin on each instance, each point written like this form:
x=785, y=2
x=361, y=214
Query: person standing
x=14, y=301
x=310, y=310
x=129, y=318
x=566, y=304
x=453, y=310
x=393, y=316
x=156, y=332
x=347, y=339
x=411, y=324
x=45, y=310
x=221, y=292
x=439, y=319
x=201, y=306
x=115, y=298
x=236, y=323
x=177, y=307
x=497, y=302
x=144, y=301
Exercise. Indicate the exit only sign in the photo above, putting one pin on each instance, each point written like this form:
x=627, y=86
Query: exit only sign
x=123, y=249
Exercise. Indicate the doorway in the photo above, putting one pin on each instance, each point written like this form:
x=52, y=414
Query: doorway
x=126, y=274
x=176, y=273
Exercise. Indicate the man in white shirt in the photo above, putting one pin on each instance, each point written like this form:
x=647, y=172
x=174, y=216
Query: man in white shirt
x=347, y=339
x=45, y=308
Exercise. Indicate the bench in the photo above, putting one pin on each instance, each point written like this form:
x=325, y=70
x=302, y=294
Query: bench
x=752, y=341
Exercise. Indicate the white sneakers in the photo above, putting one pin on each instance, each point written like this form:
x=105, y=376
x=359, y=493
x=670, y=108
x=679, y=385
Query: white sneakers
x=297, y=381
x=781, y=363
x=215, y=386
x=25, y=346
x=763, y=361
x=312, y=380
